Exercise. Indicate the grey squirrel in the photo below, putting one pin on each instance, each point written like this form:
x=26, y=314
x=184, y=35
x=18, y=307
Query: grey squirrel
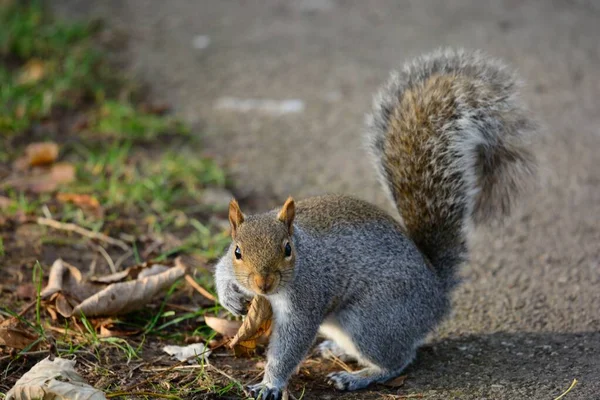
x=450, y=141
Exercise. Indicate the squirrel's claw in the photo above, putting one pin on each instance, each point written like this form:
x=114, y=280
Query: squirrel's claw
x=343, y=380
x=234, y=301
x=263, y=392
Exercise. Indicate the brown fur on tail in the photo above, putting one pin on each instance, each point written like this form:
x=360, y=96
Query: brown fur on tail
x=450, y=140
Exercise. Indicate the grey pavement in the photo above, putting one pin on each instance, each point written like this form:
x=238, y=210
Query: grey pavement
x=527, y=316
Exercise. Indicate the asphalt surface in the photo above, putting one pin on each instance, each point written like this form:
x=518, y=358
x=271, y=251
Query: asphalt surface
x=527, y=316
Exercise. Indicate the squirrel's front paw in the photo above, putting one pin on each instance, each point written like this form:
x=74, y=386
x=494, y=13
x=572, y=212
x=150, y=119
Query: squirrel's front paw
x=265, y=392
x=234, y=300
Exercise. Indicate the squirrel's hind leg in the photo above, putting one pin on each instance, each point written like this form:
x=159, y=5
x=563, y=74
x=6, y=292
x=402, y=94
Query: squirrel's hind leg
x=356, y=380
x=328, y=349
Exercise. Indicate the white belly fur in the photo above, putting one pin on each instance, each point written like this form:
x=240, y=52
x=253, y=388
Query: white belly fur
x=331, y=330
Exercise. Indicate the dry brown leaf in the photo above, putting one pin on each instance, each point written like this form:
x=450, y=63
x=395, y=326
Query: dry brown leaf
x=63, y=306
x=245, y=335
x=94, y=299
x=223, y=326
x=135, y=272
x=67, y=279
x=25, y=291
x=107, y=329
x=41, y=153
x=81, y=200
x=62, y=173
x=256, y=323
x=32, y=72
x=46, y=181
x=54, y=379
x=124, y=297
x=256, y=326
x=14, y=334
x=396, y=382
x=59, y=174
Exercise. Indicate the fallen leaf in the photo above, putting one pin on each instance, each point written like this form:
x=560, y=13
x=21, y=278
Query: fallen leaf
x=223, y=326
x=256, y=326
x=135, y=272
x=41, y=153
x=62, y=173
x=66, y=278
x=14, y=334
x=245, y=335
x=257, y=323
x=32, y=72
x=107, y=328
x=396, y=382
x=95, y=299
x=63, y=306
x=47, y=180
x=183, y=353
x=81, y=200
x=25, y=291
x=53, y=380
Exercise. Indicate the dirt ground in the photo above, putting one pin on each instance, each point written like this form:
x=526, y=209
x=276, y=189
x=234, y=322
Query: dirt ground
x=527, y=316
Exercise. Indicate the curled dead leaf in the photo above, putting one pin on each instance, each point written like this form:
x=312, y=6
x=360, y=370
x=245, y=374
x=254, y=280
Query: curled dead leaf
x=54, y=379
x=256, y=326
x=124, y=297
x=190, y=353
x=135, y=272
x=67, y=279
x=223, y=326
x=257, y=323
x=71, y=295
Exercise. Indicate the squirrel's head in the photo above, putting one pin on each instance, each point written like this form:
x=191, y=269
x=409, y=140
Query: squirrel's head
x=262, y=251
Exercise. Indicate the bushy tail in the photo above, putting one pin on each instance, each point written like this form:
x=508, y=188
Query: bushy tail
x=450, y=141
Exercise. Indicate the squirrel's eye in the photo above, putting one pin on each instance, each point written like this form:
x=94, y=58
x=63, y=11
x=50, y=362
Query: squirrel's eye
x=238, y=253
x=288, y=249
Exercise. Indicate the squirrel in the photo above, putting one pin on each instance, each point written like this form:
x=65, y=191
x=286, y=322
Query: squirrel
x=451, y=144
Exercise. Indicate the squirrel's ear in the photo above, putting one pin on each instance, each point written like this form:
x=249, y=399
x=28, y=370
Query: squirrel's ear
x=235, y=216
x=287, y=213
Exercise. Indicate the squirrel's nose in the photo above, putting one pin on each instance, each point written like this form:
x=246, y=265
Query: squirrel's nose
x=264, y=282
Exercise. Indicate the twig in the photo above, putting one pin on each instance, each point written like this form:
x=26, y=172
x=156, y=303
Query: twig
x=171, y=368
x=336, y=360
x=199, y=288
x=568, y=390
x=26, y=308
x=82, y=231
x=109, y=260
x=148, y=394
x=178, y=368
x=223, y=373
x=93, y=265
x=122, y=258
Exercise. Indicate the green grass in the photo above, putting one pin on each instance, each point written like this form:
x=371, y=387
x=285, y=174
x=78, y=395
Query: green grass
x=120, y=119
x=162, y=187
x=140, y=166
x=122, y=178
x=46, y=65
